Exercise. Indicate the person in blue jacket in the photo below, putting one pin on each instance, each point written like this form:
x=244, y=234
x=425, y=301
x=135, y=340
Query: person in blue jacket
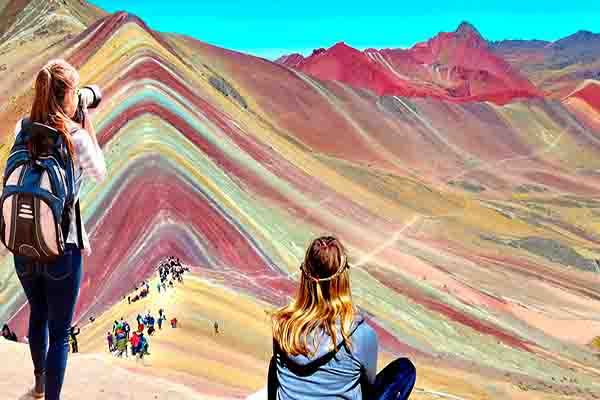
x=322, y=346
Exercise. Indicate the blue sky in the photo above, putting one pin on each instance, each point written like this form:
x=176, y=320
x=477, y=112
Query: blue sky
x=270, y=28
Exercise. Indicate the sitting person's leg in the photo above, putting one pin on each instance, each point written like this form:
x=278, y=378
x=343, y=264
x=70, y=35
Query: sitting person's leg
x=396, y=381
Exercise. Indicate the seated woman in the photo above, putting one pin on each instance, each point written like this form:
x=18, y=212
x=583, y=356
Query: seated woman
x=322, y=347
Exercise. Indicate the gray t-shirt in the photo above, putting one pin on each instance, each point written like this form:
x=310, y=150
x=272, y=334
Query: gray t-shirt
x=329, y=374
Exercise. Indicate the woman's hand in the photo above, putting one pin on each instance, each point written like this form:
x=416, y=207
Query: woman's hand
x=89, y=126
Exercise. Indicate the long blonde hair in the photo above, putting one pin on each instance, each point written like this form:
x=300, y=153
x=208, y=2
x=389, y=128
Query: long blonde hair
x=323, y=299
x=51, y=86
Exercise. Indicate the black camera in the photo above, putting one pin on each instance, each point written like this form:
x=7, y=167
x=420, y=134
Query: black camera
x=88, y=96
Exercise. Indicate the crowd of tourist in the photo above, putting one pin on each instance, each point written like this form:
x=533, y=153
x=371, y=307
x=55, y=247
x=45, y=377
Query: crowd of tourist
x=122, y=339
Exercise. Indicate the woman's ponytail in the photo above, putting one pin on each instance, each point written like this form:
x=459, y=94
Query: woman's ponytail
x=41, y=102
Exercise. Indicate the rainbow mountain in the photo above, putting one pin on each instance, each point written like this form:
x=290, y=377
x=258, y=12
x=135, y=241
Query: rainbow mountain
x=472, y=225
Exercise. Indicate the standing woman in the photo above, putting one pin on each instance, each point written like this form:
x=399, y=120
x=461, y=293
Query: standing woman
x=322, y=347
x=52, y=289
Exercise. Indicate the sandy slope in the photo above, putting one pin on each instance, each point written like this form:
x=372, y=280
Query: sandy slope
x=192, y=362
x=89, y=376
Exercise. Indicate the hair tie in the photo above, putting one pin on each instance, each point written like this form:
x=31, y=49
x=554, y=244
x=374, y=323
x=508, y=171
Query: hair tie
x=344, y=266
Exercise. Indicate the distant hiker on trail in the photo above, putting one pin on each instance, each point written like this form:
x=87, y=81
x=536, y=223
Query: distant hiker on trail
x=139, y=345
x=126, y=328
x=134, y=341
x=120, y=340
x=174, y=323
x=129, y=299
x=143, y=346
x=8, y=334
x=159, y=321
x=216, y=326
x=74, y=332
x=121, y=346
x=150, y=321
x=110, y=340
x=334, y=353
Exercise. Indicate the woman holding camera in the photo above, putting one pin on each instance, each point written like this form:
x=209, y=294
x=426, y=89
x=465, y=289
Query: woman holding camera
x=52, y=288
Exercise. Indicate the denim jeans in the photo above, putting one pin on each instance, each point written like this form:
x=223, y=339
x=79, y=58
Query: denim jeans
x=394, y=382
x=52, y=290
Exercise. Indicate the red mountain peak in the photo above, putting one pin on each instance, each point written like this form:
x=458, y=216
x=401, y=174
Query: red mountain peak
x=466, y=30
x=454, y=66
x=340, y=45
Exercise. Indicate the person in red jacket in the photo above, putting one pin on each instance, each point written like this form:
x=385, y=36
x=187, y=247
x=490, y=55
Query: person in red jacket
x=135, y=341
x=174, y=323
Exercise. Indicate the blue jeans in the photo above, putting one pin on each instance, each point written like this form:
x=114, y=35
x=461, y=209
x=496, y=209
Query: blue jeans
x=395, y=381
x=52, y=290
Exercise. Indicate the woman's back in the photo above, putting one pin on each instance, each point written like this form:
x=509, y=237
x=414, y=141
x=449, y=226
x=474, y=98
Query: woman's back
x=327, y=373
x=88, y=162
x=322, y=347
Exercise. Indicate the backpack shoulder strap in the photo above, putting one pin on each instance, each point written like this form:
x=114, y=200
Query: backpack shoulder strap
x=71, y=171
x=79, y=225
x=25, y=123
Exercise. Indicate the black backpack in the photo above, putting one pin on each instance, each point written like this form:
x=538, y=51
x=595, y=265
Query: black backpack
x=38, y=194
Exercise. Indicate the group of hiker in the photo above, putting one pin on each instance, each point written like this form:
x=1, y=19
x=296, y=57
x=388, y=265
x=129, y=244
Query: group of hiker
x=170, y=270
x=149, y=321
x=140, y=292
x=122, y=337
